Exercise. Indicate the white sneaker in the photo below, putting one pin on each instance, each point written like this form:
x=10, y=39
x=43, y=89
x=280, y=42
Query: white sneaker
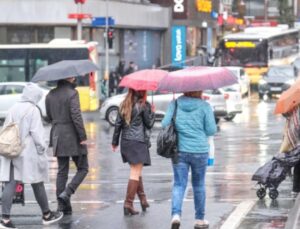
x=200, y=224
x=175, y=222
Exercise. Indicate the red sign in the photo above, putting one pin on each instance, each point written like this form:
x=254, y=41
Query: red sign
x=230, y=20
x=79, y=16
x=263, y=23
x=80, y=1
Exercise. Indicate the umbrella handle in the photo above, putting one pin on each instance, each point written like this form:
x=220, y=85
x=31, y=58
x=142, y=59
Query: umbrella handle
x=151, y=97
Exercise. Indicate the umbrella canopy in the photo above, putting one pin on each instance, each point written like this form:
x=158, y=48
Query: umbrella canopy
x=196, y=79
x=288, y=99
x=147, y=79
x=64, y=69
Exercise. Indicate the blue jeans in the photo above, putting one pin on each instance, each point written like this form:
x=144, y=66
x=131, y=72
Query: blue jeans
x=198, y=163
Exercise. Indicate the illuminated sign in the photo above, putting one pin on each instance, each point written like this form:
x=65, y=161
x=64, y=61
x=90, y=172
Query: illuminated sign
x=179, y=9
x=178, y=45
x=204, y=6
x=240, y=44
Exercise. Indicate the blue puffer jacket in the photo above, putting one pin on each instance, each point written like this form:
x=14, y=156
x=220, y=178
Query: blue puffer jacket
x=194, y=123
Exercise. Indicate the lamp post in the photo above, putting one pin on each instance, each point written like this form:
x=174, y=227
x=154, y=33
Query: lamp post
x=266, y=9
x=79, y=16
x=106, y=73
x=241, y=8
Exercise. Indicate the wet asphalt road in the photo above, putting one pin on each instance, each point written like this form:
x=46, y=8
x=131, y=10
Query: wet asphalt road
x=242, y=145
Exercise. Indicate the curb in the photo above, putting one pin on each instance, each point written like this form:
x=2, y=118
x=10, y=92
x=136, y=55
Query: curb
x=236, y=217
x=293, y=217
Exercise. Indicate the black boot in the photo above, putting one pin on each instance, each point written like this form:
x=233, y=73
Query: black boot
x=64, y=203
x=131, y=191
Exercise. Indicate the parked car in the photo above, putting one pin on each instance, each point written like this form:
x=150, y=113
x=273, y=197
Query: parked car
x=109, y=108
x=234, y=101
x=10, y=93
x=243, y=80
x=276, y=80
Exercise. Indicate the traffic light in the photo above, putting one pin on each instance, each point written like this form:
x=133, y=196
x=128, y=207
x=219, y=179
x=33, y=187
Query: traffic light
x=110, y=37
x=80, y=1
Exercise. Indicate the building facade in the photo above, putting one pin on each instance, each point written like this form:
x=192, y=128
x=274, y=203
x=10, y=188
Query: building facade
x=193, y=29
x=138, y=31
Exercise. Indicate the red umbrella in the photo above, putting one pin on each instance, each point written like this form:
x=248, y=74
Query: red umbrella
x=147, y=79
x=197, y=79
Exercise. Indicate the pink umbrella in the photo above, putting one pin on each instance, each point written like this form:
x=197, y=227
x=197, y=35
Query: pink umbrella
x=147, y=79
x=197, y=79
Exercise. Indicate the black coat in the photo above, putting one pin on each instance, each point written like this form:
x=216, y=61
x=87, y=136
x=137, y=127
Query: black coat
x=63, y=110
x=142, y=118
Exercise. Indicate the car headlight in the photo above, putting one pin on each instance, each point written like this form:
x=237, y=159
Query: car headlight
x=262, y=82
x=290, y=82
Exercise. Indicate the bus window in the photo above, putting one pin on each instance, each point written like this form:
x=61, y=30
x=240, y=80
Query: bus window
x=245, y=56
x=12, y=65
x=83, y=80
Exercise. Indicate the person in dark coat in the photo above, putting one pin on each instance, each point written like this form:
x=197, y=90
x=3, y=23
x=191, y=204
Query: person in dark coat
x=120, y=70
x=135, y=117
x=130, y=68
x=68, y=139
x=112, y=83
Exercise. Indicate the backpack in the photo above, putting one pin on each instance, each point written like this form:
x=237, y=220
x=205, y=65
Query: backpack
x=10, y=140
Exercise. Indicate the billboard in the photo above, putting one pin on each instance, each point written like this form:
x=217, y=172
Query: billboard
x=178, y=45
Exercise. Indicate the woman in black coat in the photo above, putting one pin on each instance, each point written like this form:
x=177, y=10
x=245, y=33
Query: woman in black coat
x=134, y=118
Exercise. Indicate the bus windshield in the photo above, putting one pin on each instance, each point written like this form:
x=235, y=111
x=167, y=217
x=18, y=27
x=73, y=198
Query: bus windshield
x=235, y=55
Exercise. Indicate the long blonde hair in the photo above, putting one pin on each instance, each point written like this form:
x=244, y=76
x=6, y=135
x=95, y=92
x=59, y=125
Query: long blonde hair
x=131, y=98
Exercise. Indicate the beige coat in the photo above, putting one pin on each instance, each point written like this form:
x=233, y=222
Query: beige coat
x=32, y=165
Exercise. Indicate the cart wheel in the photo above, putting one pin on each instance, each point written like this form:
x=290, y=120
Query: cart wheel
x=261, y=193
x=273, y=194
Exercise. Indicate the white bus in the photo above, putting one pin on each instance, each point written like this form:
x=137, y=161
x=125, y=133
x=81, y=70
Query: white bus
x=259, y=47
x=18, y=63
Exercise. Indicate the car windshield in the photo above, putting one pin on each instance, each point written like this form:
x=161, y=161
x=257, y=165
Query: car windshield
x=283, y=72
x=232, y=88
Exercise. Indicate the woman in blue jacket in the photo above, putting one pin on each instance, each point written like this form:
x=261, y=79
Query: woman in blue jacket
x=194, y=123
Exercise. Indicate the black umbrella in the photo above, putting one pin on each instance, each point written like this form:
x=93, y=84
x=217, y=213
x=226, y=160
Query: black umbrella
x=64, y=69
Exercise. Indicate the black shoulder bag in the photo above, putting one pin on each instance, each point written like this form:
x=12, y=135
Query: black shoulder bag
x=167, y=139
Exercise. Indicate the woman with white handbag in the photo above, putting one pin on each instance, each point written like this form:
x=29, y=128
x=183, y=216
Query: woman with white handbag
x=31, y=165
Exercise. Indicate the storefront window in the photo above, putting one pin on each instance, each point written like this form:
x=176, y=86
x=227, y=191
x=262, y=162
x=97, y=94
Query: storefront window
x=191, y=41
x=26, y=35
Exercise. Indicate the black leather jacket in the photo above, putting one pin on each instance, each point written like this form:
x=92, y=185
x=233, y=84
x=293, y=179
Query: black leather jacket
x=141, y=118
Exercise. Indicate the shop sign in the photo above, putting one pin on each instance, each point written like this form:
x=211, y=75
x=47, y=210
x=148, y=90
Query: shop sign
x=178, y=45
x=179, y=9
x=204, y=6
x=240, y=44
x=263, y=23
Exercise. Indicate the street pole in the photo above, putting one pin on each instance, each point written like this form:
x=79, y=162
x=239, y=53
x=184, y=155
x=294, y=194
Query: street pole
x=266, y=10
x=106, y=73
x=79, y=22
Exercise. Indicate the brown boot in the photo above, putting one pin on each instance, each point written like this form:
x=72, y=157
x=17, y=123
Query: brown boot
x=142, y=195
x=131, y=191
